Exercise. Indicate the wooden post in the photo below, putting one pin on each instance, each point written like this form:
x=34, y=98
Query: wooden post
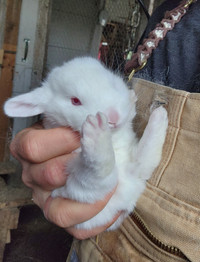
x=40, y=47
x=9, y=220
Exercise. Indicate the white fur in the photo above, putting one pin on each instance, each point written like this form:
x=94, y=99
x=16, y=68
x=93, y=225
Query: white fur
x=110, y=154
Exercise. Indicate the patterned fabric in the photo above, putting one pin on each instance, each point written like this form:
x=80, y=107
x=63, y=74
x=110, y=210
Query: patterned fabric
x=144, y=51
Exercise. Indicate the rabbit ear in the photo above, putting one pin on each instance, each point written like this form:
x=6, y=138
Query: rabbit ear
x=25, y=105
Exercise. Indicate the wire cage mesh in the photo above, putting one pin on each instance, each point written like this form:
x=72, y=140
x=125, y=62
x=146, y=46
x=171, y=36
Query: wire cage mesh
x=71, y=27
x=119, y=34
x=105, y=29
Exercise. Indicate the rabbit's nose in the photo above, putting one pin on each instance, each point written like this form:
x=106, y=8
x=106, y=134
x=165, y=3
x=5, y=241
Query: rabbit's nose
x=113, y=116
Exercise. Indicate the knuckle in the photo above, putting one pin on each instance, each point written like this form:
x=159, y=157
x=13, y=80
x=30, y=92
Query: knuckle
x=61, y=220
x=58, y=213
x=26, y=180
x=28, y=146
x=54, y=174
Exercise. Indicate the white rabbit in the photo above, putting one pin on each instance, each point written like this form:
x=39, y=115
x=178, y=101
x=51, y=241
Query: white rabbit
x=86, y=96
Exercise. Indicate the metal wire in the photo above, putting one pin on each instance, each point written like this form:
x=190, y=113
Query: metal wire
x=144, y=9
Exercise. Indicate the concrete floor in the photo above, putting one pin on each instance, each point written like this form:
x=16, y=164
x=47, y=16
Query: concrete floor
x=37, y=240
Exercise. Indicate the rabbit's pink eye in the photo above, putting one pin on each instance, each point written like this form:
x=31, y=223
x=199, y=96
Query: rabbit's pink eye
x=75, y=101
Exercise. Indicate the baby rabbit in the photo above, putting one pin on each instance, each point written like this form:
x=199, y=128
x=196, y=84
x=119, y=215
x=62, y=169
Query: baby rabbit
x=86, y=96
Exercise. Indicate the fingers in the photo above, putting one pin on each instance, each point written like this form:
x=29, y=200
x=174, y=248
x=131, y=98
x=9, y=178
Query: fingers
x=66, y=213
x=38, y=145
x=44, y=155
x=48, y=175
x=40, y=196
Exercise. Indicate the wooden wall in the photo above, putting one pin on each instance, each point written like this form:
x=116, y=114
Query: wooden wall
x=8, y=52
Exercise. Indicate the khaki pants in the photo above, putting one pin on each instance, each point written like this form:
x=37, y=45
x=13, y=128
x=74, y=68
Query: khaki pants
x=165, y=226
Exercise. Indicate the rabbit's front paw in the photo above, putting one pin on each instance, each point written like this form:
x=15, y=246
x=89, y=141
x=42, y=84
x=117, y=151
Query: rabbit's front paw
x=159, y=118
x=96, y=137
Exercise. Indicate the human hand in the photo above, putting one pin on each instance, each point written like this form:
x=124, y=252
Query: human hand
x=44, y=154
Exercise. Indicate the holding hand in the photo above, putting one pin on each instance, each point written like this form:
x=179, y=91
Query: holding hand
x=44, y=155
